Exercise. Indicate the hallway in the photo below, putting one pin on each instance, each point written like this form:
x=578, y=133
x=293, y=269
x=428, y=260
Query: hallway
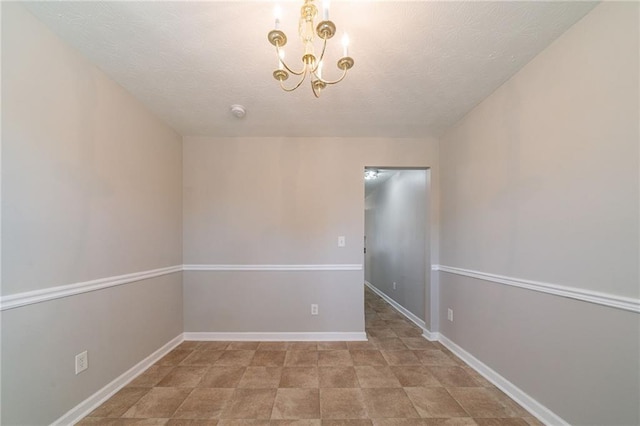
x=396, y=378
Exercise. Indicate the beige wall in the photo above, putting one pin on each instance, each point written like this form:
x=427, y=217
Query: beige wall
x=91, y=188
x=397, y=232
x=540, y=182
x=281, y=201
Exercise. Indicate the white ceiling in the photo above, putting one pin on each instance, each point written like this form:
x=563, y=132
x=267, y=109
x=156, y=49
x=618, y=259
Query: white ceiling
x=419, y=66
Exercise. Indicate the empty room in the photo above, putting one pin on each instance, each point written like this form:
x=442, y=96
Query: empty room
x=315, y=213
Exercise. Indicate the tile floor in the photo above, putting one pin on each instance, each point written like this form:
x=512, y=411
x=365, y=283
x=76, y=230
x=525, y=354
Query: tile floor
x=396, y=378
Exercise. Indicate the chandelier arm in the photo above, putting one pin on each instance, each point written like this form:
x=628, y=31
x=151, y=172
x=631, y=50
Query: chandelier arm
x=304, y=77
x=324, y=47
x=344, y=74
x=315, y=91
x=286, y=66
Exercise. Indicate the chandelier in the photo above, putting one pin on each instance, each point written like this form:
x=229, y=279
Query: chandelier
x=311, y=65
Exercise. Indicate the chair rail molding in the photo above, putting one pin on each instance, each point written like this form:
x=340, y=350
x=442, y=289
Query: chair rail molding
x=264, y=267
x=17, y=300
x=37, y=296
x=605, y=299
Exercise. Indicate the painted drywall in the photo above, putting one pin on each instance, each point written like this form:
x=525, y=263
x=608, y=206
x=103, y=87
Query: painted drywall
x=91, y=188
x=280, y=201
x=396, y=224
x=540, y=182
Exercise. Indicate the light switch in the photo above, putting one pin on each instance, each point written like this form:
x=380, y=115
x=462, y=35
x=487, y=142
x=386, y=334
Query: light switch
x=342, y=241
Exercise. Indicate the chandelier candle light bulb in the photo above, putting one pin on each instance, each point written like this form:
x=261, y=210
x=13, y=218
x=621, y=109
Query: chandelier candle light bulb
x=311, y=64
x=345, y=45
x=277, y=12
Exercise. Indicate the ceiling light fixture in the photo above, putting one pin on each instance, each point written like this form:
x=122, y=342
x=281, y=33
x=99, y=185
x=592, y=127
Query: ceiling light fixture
x=370, y=174
x=311, y=65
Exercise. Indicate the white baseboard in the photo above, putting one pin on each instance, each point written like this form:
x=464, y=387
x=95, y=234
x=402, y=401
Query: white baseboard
x=432, y=336
x=88, y=405
x=538, y=410
x=278, y=337
x=404, y=311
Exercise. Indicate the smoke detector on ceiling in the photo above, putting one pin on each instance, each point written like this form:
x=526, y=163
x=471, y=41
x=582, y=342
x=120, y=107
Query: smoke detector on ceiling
x=238, y=111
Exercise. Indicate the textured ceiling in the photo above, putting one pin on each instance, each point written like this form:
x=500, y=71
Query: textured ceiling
x=419, y=66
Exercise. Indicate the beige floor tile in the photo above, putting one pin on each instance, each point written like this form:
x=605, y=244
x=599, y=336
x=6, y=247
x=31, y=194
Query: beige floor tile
x=338, y=377
x=390, y=344
x=299, y=377
x=151, y=376
x=297, y=422
x=302, y=346
x=183, y=377
x=434, y=357
x=407, y=331
x=301, y=358
x=400, y=358
x=188, y=345
x=192, y=422
x=204, y=403
x=389, y=315
x=381, y=333
x=415, y=376
x=243, y=346
x=388, y=403
x=479, y=402
x=102, y=421
x=222, y=377
x=296, y=404
x=213, y=346
x=341, y=358
x=268, y=358
x=261, y=377
x=243, y=422
x=513, y=408
x=501, y=422
x=435, y=402
x=250, y=404
x=372, y=358
x=332, y=346
x=362, y=346
x=417, y=343
x=457, y=421
x=199, y=357
x=174, y=357
x=478, y=377
x=376, y=377
x=453, y=376
x=158, y=403
x=119, y=403
x=273, y=346
x=235, y=358
x=342, y=404
x=377, y=323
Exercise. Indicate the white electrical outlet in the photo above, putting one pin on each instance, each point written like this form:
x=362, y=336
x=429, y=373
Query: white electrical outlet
x=314, y=309
x=82, y=362
x=450, y=314
x=342, y=242
x=394, y=285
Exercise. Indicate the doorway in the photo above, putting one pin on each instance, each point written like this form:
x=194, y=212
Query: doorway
x=397, y=238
